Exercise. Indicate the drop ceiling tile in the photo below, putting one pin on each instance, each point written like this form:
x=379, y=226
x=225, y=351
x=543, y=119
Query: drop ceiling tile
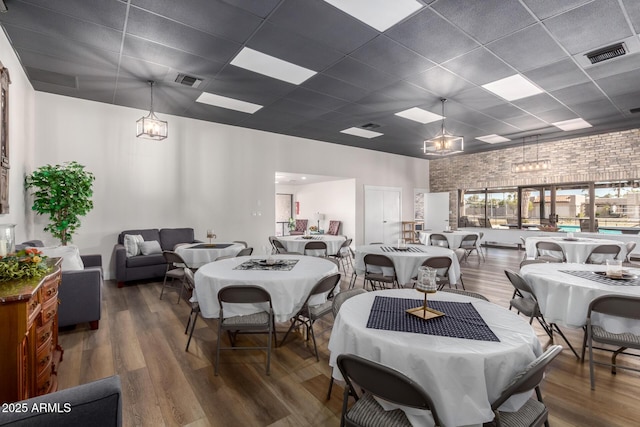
x=289, y=106
x=274, y=119
x=578, y=94
x=333, y=87
x=528, y=48
x=260, y=8
x=142, y=70
x=633, y=10
x=615, y=66
x=441, y=82
x=212, y=113
x=99, y=89
x=526, y=122
x=503, y=111
x=596, y=109
x=479, y=66
x=627, y=101
x=317, y=99
x=244, y=85
x=385, y=104
x=166, y=99
x=405, y=91
x=547, y=8
x=486, y=20
x=359, y=74
x=558, y=75
x=578, y=31
x=105, y=13
x=63, y=66
x=557, y=115
x=391, y=57
x=620, y=84
x=477, y=98
x=431, y=36
x=537, y=103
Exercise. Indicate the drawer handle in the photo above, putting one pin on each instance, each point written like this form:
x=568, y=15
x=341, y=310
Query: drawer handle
x=33, y=305
x=51, y=291
x=44, y=361
x=45, y=337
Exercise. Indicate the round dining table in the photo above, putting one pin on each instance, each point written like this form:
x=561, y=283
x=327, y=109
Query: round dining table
x=462, y=376
x=406, y=262
x=289, y=283
x=195, y=255
x=454, y=237
x=564, y=292
x=297, y=243
x=576, y=249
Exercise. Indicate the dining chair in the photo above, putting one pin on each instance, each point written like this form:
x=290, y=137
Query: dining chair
x=469, y=244
x=460, y=255
x=279, y=247
x=241, y=242
x=335, y=308
x=334, y=228
x=344, y=255
x=465, y=293
x=315, y=246
x=602, y=254
x=524, y=301
x=630, y=247
x=441, y=264
x=379, y=381
x=436, y=239
x=308, y=314
x=534, y=413
x=550, y=252
x=261, y=322
x=245, y=252
x=174, y=273
x=301, y=227
x=622, y=307
x=523, y=245
x=190, y=284
x=379, y=280
x=221, y=257
x=272, y=239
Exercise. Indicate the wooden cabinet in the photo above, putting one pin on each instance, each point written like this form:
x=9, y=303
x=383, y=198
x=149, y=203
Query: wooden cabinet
x=410, y=231
x=29, y=350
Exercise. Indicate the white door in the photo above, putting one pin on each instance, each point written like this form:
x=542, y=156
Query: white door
x=382, y=214
x=436, y=211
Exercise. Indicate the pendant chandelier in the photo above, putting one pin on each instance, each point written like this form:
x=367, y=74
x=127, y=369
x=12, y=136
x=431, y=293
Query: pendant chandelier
x=530, y=165
x=444, y=143
x=151, y=127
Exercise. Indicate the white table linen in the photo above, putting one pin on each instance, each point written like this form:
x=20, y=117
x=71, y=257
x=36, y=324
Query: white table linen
x=196, y=258
x=297, y=243
x=454, y=238
x=564, y=299
x=288, y=289
x=406, y=263
x=576, y=251
x=462, y=376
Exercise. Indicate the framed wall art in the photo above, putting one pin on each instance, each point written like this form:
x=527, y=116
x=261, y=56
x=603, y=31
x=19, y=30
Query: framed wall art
x=4, y=139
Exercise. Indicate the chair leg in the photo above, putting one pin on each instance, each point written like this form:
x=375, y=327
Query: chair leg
x=294, y=321
x=613, y=359
x=269, y=348
x=557, y=329
x=330, y=388
x=592, y=377
x=313, y=338
x=584, y=342
x=193, y=326
x=217, y=364
x=164, y=285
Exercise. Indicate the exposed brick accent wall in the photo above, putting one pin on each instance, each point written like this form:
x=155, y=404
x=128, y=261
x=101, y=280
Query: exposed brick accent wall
x=610, y=156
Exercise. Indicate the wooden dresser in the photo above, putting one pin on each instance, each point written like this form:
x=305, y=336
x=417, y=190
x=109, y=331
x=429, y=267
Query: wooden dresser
x=29, y=350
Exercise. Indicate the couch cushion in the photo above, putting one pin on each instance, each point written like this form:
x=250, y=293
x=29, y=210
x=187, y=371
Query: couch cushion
x=132, y=244
x=145, y=260
x=70, y=256
x=146, y=233
x=170, y=237
x=150, y=248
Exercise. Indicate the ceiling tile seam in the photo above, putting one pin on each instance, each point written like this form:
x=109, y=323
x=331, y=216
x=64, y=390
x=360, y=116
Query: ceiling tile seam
x=627, y=18
x=75, y=18
x=406, y=18
x=124, y=33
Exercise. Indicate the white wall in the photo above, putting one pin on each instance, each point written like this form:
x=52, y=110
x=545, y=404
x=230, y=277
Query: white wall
x=205, y=175
x=21, y=141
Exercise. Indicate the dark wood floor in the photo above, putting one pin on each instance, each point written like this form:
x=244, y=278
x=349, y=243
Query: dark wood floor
x=141, y=338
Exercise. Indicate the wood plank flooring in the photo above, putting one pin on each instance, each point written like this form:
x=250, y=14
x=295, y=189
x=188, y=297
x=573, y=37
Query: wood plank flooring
x=142, y=339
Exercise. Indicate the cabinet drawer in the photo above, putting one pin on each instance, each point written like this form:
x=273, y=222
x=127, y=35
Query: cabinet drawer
x=44, y=382
x=49, y=289
x=44, y=357
x=49, y=310
x=43, y=334
x=33, y=309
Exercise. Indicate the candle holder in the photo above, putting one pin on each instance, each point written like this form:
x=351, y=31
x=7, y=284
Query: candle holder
x=426, y=284
x=210, y=235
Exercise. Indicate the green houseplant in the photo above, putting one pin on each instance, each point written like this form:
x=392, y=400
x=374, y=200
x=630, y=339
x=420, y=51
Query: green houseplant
x=64, y=193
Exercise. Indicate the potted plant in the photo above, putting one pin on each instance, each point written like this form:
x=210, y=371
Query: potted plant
x=64, y=193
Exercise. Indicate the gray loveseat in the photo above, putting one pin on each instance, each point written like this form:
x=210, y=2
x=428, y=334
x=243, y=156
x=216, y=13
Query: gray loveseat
x=153, y=266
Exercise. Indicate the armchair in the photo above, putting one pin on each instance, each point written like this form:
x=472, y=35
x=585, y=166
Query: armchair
x=301, y=227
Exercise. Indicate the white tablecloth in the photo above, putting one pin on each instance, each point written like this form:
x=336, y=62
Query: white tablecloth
x=297, y=243
x=288, y=289
x=565, y=299
x=454, y=238
x=407, y=263
x=196, y=258
x=576, y=251
x=462, y=376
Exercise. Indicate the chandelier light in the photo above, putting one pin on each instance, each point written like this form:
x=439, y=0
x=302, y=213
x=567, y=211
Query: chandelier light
x=444, y=143
x=151, y=127
x=531, y=165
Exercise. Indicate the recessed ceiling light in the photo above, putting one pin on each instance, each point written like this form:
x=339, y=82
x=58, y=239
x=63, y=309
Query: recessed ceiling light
x=419, y=115
x=493, y=138
x=572, y=124
x=512, y=88
x=268, y=65
x=380, y=14
x=303, y=177
x=229, y=103
x=277, y=182
x=361, y=132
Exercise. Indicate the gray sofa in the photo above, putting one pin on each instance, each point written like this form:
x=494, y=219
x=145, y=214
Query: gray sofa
x=96, y=404
x=153, y=266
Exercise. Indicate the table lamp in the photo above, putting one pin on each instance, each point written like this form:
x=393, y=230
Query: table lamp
x=319, y=217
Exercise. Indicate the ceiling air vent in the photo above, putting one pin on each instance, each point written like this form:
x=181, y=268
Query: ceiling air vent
x=190, y=81
x=370, y=126
x=634, y=110
x=606, y=53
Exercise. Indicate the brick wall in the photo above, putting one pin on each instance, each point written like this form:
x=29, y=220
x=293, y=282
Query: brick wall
x=610, y=156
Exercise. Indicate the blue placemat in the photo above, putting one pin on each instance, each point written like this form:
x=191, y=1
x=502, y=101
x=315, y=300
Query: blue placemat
x=408, y=249
x=211, y=246
x=602, y=279
x=461, y=320
x=260, y=264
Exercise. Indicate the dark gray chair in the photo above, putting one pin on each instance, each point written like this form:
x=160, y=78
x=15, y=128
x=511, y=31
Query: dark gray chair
x=279, y=247
x=377, y=380
x=245, y=252
x=261, y=322
x=344, y=255
x=242, y=242
x=466, y=293
x=622, y=306
x=375, y=279
x=190, y=284
x=174, y=273
x=315, y=246
x=441, y=264
x=601, y=253
x=308, y=314
x=534, y=413
x=469, y=244
x=436, y=239
x=95, y=404
x=550, y=252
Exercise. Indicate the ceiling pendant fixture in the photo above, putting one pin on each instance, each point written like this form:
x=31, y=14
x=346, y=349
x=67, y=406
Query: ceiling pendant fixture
x=444, y=143
x=531, y=165
x=151, y=127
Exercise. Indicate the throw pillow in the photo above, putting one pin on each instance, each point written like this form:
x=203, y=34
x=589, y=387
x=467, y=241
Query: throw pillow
x=131, y=244
x=70, y=256
x=150, y=247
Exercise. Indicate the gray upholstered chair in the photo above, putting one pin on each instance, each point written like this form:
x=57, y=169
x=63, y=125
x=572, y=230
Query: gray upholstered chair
x=245, y=252
x=469, y=244
x=314, y=245
x=550, y=252
x=441, y=264
x=379, y=280
x=96, y=404
x=344, y=255
x=601, y=253
x=173, y=273
x=436, y=239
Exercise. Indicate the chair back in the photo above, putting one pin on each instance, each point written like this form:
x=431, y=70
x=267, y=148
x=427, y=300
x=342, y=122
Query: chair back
x=440, y=263
x=241, y=294
x=378, y=260
x=315, y=245
x=172, y=258
x=279, y=246
x=465, y=293
x=386, y=383
x=438, y=240
x=339, y=299
x=601, y=252
x=529, y=378
x=616, y=305
x=469, y=241
x=301, y=225
x=550, y=247
x=324, y=285
x=221, y=257
x=189, y=279
x=460, y=252
x=334, y=228
x=245, y=252
x=519, y=282
x=241, y=242
x=630, y=247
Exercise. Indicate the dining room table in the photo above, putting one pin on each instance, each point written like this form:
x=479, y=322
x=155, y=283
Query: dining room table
x=454, y=237
x=565, y=290
x=463, y=359
x=407, y=260
x=195, y=255
x=297, y=243
x=576, y=249
x=289, y=280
